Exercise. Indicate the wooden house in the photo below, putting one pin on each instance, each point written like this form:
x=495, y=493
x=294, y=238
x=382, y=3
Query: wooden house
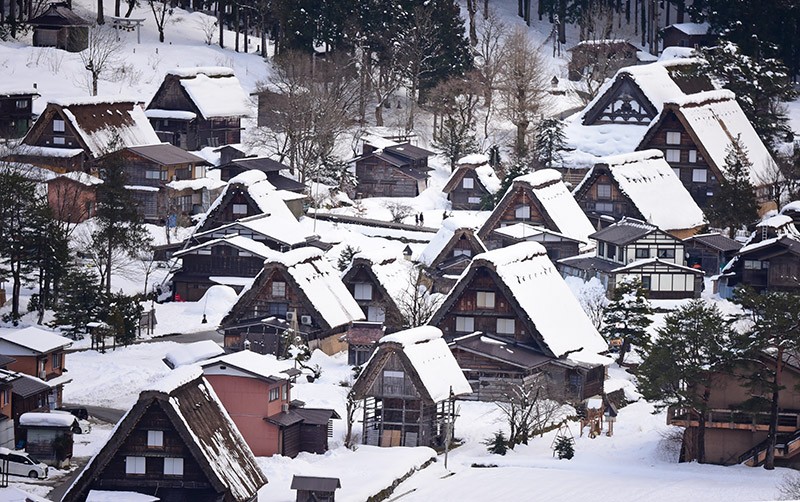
x=634, y=247
x=16, y=111
x=691, y=35
x=616, y=120
x=256, y=391
x=250, y=194
x=735, y=431
x=7, y=417
x=233, y=261
x=198, y=107
x=277, y=230
x=450, y=251
x=188, y=198
x=378, y=280
x=73, y=196
x=472, y=183
x=770, y=261
x=48, y=436
x=297, y=290
x=517, y=296
x=315, y=488
x=234, y=162
x=408, y=387
x=61, y=28
x=22, y=393
x=695, y=133
x=38, y=353
x=149, y=168
x=389, y=169
x=710, y=252
x=589, y=56
x=362, y=340
x=540, y=199
x=176, y=443
x=639, y=185
x=70, y=135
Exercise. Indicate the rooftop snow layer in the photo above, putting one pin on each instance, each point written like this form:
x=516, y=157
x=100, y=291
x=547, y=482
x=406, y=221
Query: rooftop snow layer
x=40, y=419
x=81, y=177
x=217, y=95
x=191, y=353
x=266, y=366
x=133, y=130
x=36, y=339
x=445, y=233
x=543, y=295
x=210, y=71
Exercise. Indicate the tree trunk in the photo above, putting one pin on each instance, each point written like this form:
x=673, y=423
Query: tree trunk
x=161, y=33
x=562, y=14
x=95, y=76
x=472, y=8
x=623, y=350
x=220, y=16
x=15, y=290
x=246, y=32
x=520, y=11
x=236, y=24
x=520, y=146
x=769, y=459
x=108, y=267
x=100, y=17
x=116, y=7
x=701, y=429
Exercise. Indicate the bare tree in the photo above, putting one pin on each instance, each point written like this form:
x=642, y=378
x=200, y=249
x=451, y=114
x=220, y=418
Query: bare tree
x=488, y=59
x=523, y=84
x=384, y=77
x=398, y=210
x=592, y=297
x=529, y=410
x=208, y=26
x=352, y=406
x=160, y=8
x=310, y=110
x=454, y=102
x=415, y=303
x=418, y=48
x=101, y=53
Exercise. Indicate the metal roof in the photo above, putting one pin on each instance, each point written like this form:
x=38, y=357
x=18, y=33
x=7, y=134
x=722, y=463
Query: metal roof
x=315, y=483
x=717, y=241
x=623, y=232
x=167, y=154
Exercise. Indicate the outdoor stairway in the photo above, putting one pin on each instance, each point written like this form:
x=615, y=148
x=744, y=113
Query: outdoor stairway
x=786, y=446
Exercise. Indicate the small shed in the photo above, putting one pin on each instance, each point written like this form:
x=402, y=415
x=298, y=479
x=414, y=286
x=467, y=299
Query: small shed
x=315, y=488
x=49, y=436
x=61, y=28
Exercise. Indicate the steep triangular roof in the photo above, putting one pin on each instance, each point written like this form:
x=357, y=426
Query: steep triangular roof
x=313, y=279
x=390, y=273
x=539, y=297
x=427, y=360
x=100, y=125
x=650, y=184
x=713, y=119
x=452, y=229
x=197, y=415
x=212, y=92
x=545, y=190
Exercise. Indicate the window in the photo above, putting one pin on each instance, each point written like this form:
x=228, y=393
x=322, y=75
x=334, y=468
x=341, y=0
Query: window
x=468, y=183
x=474, y=200
x=465, y=324
x=611, y=252
x=692, y=156
x=22, y=104
x=485, y=300
x=699, y=175
x=646, y=282
x=152, y=175
x=56, y=362
x=505, y=326
x=58, y=125
x=59, y=140
x=601, y=249
x=277, y=309
x=173, y=467
x=666, y=253
x=278, y=289
x=677, y=171
x=376, y=314
x=522, y=212
x=285, y=392
x=673, y=138
x=363, y=291
x=642, y=253
x=673, y=155
x=6, y=396
x=603, y=191
x=155, y=439
x=604, y=207
x=752, y=265
x=240, y=209
x=134, y=465
x=274, y=394
x=393, y=382
x=462, y=252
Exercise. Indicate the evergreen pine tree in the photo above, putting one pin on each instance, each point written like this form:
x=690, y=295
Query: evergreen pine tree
x=453, y=57
x=122, y=313
x=564, y=447
x=497, y=444
x=346, y=257
x=626, y=316
x=691, y=349
x=550, y=142
x=119, y=224
x=79, y=301
x=734, y=204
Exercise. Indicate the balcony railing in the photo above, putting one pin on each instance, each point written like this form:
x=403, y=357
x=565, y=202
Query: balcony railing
x=788, y=421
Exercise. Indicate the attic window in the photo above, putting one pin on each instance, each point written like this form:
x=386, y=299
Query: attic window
x=692, y=156
x=462, y=252
x=673, y=138
x=362, y=291
x=468, y=183
x=22, y=104
x=603, y=191
x=522, y=212
x=465, y=324
x=155, y=439
x=505, y=326
x=59, y=140
x=240, y=209
x=673, y=155
x=135, y=465
x=278, y=289
x=485, y=300
x=699, y=175
x=58, y=125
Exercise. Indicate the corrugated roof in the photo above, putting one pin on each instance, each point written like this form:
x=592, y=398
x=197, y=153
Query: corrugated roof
x=717, y=241
x=623, y=232
x=167, y=154
x=315, y=483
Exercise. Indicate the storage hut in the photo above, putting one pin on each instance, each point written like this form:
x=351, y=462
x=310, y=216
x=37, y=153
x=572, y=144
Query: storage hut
x=61, y=28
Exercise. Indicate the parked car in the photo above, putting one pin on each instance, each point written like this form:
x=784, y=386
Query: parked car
x=21, y=464
x=80, y=413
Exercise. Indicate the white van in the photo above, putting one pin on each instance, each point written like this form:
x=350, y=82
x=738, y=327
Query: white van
x=21, y=464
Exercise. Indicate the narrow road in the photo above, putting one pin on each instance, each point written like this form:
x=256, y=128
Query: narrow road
x=189, y=337
x=109, y=415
